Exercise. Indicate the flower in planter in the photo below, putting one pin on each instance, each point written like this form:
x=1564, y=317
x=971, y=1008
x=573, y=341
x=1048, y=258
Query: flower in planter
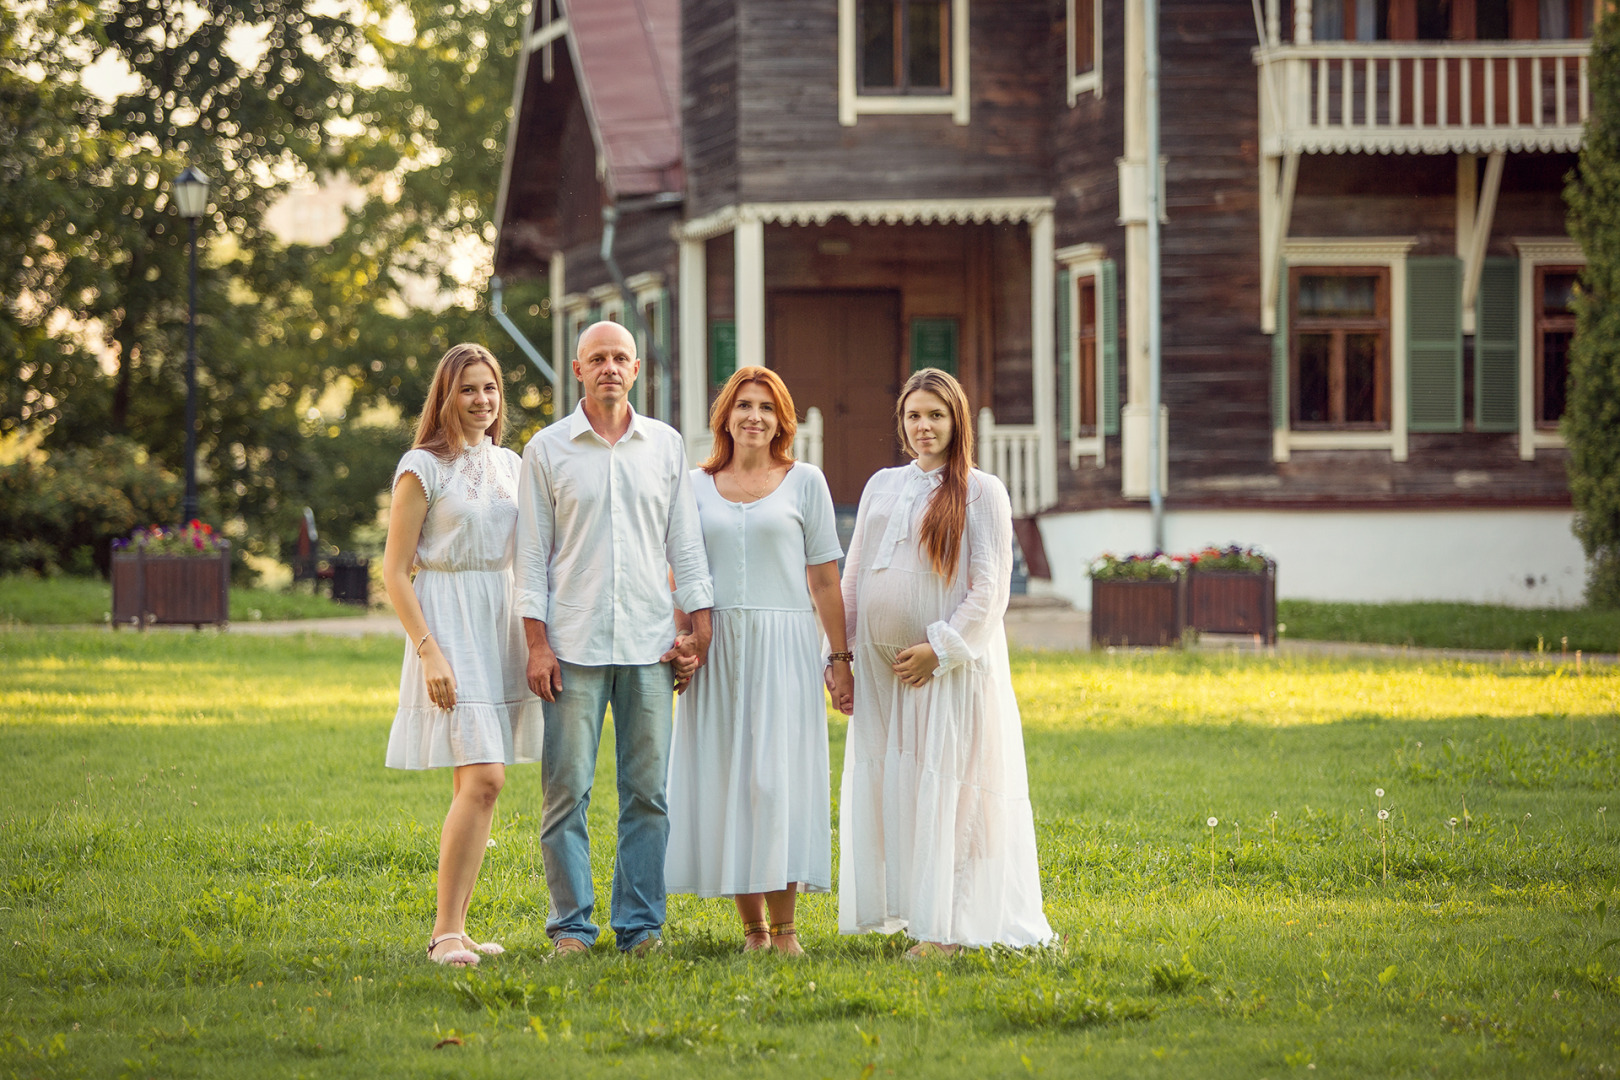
x=196, y=539
x=1231, y=559
x=1155, y=567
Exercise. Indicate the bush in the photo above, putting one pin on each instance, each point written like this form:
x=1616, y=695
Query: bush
x=1591, y=422
x=62, y=511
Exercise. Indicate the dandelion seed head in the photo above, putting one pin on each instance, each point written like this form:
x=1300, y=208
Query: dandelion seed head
x=1453, y=823
x=1383, y=815
x=1378, y=792
x=1212, y=822
x=1420, y=744
x=490, y=842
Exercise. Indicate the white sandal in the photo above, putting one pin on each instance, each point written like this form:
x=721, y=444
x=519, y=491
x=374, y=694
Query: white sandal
x=455, y=957
x=488, y=948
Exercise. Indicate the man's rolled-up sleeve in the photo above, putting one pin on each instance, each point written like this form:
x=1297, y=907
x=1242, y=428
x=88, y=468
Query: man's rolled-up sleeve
x=535, y=526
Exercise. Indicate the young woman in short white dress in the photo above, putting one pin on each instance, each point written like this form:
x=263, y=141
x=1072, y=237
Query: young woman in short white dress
x=463, y=702
x=936, y=834
x=748, y=765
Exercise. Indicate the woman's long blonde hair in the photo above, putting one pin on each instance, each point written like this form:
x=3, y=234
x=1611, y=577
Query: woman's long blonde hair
x=946, y=518
x=787, y=424
x=439, y=431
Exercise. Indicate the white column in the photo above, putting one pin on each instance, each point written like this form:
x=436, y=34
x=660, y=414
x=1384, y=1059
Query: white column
x=694, y=342
x=750, y=270
x=562, y=350
x=1302, y=22
x=1134, y=425
x=1043, y=359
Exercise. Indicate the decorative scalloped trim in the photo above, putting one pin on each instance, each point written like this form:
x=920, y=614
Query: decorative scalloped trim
x=871, y=212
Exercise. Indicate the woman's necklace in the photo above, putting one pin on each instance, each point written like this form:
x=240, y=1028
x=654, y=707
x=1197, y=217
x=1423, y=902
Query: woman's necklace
x=736, y=478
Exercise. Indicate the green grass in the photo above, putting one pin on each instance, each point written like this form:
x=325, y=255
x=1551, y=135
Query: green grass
x=207, y=872
x=1453, y=626
x=58, y=601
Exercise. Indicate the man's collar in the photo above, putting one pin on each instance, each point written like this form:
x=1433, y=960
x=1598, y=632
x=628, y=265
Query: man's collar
x=579, y=423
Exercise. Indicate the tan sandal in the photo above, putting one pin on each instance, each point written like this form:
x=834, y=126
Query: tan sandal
x=788, y=932
x=753, y=931
x=455, y=957
x=932, y=950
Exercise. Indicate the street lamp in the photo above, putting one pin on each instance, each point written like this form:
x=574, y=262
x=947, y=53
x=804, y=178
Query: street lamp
x=191, y=199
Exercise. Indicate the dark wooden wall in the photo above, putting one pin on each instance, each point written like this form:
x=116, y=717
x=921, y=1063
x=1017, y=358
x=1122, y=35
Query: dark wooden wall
x=709, y=103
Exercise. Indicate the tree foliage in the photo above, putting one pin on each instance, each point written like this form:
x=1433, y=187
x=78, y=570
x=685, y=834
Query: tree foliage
x=312, y=361
x=1591, y=423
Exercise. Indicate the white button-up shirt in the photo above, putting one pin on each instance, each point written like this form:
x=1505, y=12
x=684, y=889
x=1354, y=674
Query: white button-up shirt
x=599, y=528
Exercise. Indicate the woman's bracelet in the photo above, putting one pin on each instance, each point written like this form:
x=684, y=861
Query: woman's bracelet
x=846, y=657
x=423, y=642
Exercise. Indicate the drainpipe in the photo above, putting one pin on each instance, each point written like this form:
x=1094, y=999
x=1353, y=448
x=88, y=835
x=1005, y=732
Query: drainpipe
x=499, y=311
x=610, y=223
x=1150, y=34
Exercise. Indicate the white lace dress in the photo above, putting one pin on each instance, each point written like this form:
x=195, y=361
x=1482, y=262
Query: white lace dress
x=748, y=762
x=464, y=584
x=936, y=833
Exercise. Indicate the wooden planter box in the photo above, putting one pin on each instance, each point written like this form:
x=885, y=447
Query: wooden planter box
x=1233, y=602
x=150, y=589
x=1138, y=612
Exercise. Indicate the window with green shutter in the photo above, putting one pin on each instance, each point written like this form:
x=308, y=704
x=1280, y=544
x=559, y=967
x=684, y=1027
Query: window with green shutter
x=722, y=350
x=1434, y=343
x=1065, y=356
x=1281, y=406
x=1108, y=344
x=1337, y=327
x=934, y=344
x=1496, y=347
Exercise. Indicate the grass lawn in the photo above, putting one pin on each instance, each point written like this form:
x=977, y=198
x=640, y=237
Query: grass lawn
x=207, y=872
x=25, y=598
x=1454, y=626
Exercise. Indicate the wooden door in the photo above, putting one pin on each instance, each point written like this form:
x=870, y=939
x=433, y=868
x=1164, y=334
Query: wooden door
x=839, y=350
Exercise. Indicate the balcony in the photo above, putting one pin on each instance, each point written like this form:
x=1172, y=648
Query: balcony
x=1422, y=97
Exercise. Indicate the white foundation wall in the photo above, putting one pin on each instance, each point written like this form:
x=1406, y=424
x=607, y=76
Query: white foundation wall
x=1525, y=558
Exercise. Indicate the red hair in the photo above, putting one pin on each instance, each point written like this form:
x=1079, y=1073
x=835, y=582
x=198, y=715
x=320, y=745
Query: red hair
x=786, y=423
x=946, y=518
x=439, y=431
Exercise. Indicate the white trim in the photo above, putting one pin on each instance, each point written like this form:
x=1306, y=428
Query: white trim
x=694, y=336
x=852, y=103
x=562, y=350
x=1043, y=354
x=1536, y=251
x=968, y=211
x=1083, y=261
x=1389, y=252
x=748, y=239
x=1471, y=241
x=545, y=35
x=1085, y=81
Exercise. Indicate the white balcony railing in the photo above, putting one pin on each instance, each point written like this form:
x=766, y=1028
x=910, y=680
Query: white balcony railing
x=1012, y=453
x=1423, y=97
x=807, y=441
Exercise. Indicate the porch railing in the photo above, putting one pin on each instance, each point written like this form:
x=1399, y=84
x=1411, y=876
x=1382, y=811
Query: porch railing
x=1012, y=453
x=807, y=441
x=1423, y=97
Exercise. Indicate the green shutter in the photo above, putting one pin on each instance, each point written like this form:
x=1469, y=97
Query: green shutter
x=1281, y=407
x=1434, y=343
x=934, y=344
x=722, y=350
x=1108, y=346
x=1496, y=347
x=1065, y=354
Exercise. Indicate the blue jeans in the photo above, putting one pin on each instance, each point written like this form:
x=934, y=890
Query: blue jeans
x=641, y=696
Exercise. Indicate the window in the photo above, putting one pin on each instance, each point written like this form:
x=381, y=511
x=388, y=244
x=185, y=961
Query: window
x=1085, y=48
x=1350, y=20
x=902, y=56
x=1555, y=328
x=1088, y=351
x=1340, y=349
x=905, y=46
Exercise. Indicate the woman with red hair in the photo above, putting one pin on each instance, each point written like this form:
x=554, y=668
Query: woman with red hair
x=463, y=703
x=936, y=836
x=748, y=764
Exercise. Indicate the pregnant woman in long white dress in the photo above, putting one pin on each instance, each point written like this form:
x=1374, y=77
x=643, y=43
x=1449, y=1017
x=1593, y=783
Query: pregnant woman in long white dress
x=936, y=834
x=748, y=764
x=463, y=702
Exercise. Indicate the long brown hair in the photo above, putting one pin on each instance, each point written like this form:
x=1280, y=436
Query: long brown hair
x=786, y=423
x=946, y=517
x=439, y=431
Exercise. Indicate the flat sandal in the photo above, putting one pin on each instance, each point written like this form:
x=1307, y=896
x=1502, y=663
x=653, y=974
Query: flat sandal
x=455, y=957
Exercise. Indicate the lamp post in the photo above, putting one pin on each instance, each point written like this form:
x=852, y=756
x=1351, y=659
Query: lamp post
x=190, y=200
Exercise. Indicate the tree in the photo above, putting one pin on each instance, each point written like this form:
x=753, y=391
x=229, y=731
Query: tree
x=1591, y=423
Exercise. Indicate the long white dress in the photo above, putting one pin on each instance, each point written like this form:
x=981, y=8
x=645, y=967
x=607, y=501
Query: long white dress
x=936, y=833
x=464, y=584
x=748, y=763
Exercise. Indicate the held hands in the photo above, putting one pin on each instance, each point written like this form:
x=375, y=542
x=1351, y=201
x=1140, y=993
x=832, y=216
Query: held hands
x=685, y=656
x=840, y=683
x=543, y=673
x=915, y=666
x=441, y=681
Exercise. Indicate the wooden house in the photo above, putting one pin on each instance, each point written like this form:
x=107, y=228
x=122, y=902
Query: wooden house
x=1365, y=268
